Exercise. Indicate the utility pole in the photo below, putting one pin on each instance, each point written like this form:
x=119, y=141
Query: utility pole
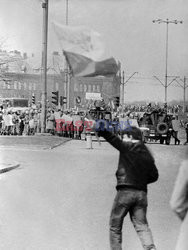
x=67, y=75
x=123, y=82
x=122, y=86
x=44, y=65
x=184, y=86
x=167, y=22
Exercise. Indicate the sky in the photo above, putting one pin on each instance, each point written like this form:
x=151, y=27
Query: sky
x=127, y=30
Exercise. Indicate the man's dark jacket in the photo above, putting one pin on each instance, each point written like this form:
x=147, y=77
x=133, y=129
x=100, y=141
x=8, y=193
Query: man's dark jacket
x=136, y=167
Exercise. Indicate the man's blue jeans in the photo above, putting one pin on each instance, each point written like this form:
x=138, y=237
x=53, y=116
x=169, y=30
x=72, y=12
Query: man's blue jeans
x=135, y=202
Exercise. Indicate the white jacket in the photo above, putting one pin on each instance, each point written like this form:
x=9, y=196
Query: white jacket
x=179, y=203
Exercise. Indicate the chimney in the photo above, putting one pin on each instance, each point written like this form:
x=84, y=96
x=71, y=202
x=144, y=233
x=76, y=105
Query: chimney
x=24, y=55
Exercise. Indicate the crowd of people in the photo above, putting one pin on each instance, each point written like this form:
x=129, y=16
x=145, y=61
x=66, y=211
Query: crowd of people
x=67, y=123
x=131, y=196
x=28, y=122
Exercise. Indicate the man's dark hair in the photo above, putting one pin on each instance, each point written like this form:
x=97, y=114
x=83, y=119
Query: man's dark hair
x=135, y=132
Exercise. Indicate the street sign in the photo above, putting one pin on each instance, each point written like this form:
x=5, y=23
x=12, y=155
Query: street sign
x=93, y=96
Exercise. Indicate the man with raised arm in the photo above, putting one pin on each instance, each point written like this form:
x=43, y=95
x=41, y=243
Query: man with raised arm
x=136, y=169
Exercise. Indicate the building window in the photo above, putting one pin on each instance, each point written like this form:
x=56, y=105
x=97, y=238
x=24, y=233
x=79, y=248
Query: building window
x=85, y=87
x=93, y=87
x=25, y=85
x=98, y=88
x=89, y=88
x=3, y=84
x=15, y=85
x=19, y=85
x=75, y=86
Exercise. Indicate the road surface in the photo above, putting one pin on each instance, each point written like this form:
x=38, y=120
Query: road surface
x=60, y=199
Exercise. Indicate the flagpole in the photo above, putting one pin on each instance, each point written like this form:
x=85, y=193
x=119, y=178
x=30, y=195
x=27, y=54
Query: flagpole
x=67, y=79
x=44, y=65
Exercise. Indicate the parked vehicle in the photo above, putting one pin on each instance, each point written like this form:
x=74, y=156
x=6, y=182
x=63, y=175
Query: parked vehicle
x=159, y=124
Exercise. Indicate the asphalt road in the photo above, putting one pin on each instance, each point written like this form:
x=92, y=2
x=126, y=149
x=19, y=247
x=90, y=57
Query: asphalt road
x=61, y=199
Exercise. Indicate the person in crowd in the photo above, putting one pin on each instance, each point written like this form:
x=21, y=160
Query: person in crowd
x=57, y=115
x=78, y=125
x=31, y=124
x=21, y=124
x=70, y=126
x=179, y=203
x=9, y=123
x=186, y=130
x=136, y=169
x=63, y=125
x=175, y=129
x=1, y=119
x=35, y=117
x=14, y=120
x=39, y=121
x=17, y=123
x=50, y=122
x=26, y=123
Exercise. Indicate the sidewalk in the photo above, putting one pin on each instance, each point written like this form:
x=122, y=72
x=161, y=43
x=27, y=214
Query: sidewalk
x=31, y=142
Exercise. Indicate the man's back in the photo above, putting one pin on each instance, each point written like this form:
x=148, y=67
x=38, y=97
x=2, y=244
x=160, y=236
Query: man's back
x=136, y=166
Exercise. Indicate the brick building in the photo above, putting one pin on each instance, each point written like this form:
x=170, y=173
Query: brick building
x=23, y=78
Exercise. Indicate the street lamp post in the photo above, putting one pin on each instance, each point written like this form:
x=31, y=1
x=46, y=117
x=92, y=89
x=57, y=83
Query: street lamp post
x=44, y=65
x=167, y=22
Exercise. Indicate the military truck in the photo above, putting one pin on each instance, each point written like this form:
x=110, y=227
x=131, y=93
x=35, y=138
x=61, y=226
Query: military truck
x=159, y=124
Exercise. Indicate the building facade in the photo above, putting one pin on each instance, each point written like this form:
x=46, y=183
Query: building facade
x=22, y=79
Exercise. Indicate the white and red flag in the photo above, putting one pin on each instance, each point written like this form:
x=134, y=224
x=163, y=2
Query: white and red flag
x=84, y=66
x=80, y=40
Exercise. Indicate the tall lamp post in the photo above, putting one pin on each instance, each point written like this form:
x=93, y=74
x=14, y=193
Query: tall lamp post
x=67, y=75
x=167, y=22
x=44, y=65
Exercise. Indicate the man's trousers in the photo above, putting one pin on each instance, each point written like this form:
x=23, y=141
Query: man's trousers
x=135, y=202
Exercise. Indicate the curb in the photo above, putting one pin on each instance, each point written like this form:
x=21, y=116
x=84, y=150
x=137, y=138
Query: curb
x=7, y=169
x=57, y=145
